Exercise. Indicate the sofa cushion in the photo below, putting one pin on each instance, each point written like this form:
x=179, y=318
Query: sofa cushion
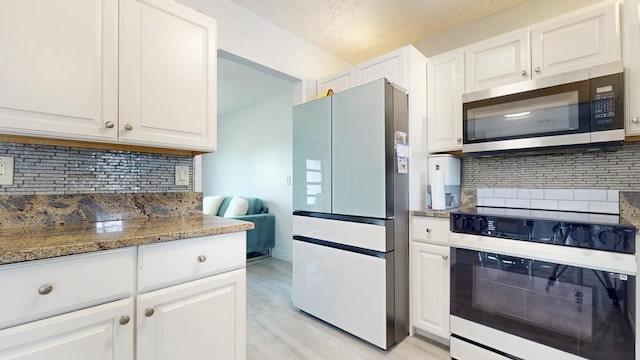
x=211, y=204
x=237, y=207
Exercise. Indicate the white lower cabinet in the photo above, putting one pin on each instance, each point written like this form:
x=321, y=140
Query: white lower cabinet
x=430, y=267
x=202, y=319
x=430, y=276
x=99, y=332
x=82, y=306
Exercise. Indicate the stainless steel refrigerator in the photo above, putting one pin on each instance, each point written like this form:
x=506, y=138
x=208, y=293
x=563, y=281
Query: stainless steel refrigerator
x=350, y=201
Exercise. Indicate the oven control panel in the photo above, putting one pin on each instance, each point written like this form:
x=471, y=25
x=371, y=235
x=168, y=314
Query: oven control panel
x=607, y=237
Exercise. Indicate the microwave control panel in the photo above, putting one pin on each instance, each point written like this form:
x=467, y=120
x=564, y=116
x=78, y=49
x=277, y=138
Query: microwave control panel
x=606, y=102
x=604, y=105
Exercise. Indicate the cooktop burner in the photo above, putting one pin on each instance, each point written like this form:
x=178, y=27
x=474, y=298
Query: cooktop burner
x=584, y=230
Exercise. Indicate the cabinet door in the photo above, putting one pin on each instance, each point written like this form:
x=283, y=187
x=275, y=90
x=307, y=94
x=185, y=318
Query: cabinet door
x=632, y=65
x=577, y=41
x=202, y=319
x=392, y=66
x=312, y=156
x=167, y=75
x=500, y=60
x=338, y=82
x=59, y=68
x=430, y=288
x=444, y=101
x=100, y=332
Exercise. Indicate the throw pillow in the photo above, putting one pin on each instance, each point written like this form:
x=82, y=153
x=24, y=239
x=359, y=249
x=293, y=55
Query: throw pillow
x=211, y=204
x=237, y=207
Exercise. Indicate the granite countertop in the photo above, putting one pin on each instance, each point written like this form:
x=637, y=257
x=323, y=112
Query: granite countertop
x=439, y=213
x=34, y=243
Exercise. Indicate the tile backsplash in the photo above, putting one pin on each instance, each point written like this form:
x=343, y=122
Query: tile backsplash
x=592, y=170
x=46, y=170
x=581, y=200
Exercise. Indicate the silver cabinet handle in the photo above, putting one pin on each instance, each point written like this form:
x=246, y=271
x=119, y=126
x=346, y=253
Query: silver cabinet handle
x=202, y=258
x=148, y=312
x=538, y=69
x=445, y=257
x=523, y=72
x=124, y=320
x=128, y=127
x=109, y=124
x=428, y=230
x=635, y=120
x=45, y=289
x=459, y=139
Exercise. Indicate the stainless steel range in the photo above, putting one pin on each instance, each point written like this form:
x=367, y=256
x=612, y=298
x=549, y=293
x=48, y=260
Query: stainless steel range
x=542, y=285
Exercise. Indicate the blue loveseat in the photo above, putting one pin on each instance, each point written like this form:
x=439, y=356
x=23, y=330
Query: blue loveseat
x=262, y=238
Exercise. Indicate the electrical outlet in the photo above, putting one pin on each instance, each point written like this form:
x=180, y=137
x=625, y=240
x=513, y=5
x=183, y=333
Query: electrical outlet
x=182, y=175
x=6, y=170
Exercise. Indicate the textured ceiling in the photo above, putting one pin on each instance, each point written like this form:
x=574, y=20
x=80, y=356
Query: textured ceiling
x=357, y=30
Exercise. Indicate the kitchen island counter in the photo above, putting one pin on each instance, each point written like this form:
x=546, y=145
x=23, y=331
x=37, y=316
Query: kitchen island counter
x=35, y=243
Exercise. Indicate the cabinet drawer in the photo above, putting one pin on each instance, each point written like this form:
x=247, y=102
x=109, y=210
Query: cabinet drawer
x=175, y=262
x=74, y=282
x=429, y=229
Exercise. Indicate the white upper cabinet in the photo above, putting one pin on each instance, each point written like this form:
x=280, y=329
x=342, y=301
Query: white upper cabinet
x=497, y=61
x=167, y=75
x=59, y=68
x=632, y=65
x=392, y=66
x=337, y=82
x=128, y=71
x=578, y=40
x=444, y=101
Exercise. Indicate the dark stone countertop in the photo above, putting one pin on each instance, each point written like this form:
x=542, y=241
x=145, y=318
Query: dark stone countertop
x=34, y=243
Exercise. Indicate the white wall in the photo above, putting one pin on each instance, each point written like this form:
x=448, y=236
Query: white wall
x=254, y=160
x=249, y=36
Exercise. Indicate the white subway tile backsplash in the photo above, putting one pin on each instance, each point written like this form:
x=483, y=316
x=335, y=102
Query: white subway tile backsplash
x=517, y=203
x=505, y=193
x=485, y=193
x=573, y=205
x=480, y=201
x=590, y=195
x=544, y=204
x=536, y=194
x=613, y=195
x=494, y=202
x=558, y=194
x=523, y=194
x=604, y=207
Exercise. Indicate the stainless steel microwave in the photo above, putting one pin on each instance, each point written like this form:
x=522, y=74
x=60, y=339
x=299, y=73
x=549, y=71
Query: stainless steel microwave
x=582, y=109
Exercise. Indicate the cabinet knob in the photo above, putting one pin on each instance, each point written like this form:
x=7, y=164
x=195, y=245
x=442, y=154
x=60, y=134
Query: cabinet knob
x=109, y=124
x=523, y=72
x=128, y=127
x=124, y=320
x=45, y=289
x=428, y=230
x=148, y=312
x=445, y=257
x=202, y=258
x=635, y=120
x=538, y=69
x=459, y=139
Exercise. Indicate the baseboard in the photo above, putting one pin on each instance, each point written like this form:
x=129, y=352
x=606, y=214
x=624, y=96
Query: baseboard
x=282, y=255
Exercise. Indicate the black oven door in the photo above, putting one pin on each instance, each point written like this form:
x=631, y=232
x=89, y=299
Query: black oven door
x=589, y=313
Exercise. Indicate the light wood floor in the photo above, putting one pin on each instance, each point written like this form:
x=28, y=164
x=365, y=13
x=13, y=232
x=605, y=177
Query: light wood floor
x=278, y=331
